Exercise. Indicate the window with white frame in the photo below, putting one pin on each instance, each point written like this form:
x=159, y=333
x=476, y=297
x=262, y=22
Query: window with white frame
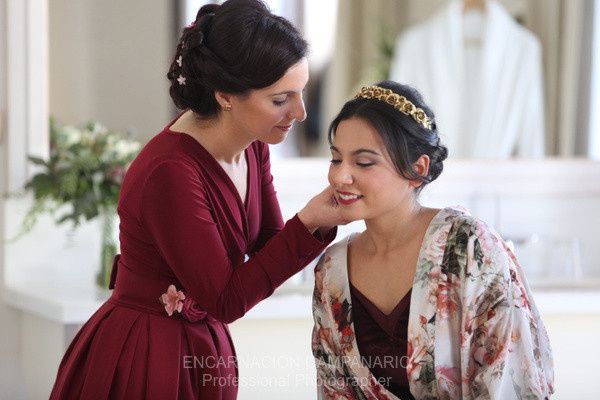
x=26, y=88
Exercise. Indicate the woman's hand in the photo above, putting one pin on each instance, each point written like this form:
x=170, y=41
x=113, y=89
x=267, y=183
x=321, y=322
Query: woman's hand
x=322, y=212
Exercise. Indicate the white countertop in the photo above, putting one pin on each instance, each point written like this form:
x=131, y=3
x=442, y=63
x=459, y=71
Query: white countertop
x=74, y=305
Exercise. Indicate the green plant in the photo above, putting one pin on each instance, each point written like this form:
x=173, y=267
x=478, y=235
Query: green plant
x=84, y=171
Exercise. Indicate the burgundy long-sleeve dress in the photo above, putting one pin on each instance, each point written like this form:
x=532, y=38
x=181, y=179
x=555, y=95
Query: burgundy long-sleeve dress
x=183, y=223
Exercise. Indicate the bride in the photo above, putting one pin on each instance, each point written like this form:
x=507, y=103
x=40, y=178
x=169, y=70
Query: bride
x=425, y=303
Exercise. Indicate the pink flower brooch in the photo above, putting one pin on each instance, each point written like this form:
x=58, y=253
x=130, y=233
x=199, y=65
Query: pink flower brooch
x=175, y=300
x=172, y=300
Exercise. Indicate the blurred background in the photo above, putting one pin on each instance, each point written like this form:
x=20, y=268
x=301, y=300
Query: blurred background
x=515, y=85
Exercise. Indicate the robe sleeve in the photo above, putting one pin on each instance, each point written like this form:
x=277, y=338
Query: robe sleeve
x=329, y=380
x=176, y=212
x=332, y=379
x=505, y=350
x=271, y=221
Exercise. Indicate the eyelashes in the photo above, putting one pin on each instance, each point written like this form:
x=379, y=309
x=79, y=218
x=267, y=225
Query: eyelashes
x=362, y=165
x=288, y=97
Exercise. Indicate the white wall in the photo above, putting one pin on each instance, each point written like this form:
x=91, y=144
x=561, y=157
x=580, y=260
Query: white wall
x=108, y=61
x=10, y=371
x=11, y=378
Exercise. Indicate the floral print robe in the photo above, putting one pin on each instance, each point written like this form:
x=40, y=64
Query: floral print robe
x=474, y=331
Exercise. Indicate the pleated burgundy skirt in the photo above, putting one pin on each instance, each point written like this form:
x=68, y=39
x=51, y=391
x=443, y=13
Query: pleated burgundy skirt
x=131, y=349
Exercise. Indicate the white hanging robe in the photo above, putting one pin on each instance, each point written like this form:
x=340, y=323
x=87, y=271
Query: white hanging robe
x=482, y=76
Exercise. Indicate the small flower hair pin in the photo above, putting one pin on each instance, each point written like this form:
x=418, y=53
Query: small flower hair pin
x=191, y=24
x=181, y=80
x=172, y=299
x=179, y=61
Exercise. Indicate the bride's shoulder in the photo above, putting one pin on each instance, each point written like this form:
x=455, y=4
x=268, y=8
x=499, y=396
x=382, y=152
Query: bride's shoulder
x=336, y=253
x=341, y=246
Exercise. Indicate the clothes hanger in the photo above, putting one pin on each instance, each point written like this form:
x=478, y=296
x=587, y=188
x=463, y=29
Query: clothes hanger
x=473, y=15
x=473, y=5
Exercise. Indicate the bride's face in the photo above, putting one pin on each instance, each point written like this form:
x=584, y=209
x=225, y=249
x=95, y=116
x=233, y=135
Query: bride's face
x=365, y=180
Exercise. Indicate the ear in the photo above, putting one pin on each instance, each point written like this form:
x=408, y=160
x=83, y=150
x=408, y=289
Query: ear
x=421, y=167
x=223, y=98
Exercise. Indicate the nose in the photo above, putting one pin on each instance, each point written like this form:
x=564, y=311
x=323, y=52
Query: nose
x=298, y=112
x=340, y=175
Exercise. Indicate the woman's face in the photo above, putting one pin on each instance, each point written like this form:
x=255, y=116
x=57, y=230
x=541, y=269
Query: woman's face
x=267, y=114
x=366, y=183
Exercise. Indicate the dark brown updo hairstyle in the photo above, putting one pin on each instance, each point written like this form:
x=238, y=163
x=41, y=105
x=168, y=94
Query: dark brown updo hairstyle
x=234, y=47
x=404, y=138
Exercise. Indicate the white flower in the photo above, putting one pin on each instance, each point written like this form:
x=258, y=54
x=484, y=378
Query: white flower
x=87, y=138
x=97, y=177
x=71, y=135
x=125, y=148
x=98, y=129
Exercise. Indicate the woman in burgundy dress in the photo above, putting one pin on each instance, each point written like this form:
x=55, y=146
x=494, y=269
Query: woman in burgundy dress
x=194, y=203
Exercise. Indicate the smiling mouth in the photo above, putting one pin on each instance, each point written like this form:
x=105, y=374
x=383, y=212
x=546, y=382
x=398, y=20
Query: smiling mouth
x=349, y=197
x=285, y=127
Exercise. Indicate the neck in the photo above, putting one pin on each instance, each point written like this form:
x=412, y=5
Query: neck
x=218, y=136
x=394, y=230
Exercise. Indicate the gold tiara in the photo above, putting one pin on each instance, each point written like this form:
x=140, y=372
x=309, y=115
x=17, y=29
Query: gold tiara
x=400, y=103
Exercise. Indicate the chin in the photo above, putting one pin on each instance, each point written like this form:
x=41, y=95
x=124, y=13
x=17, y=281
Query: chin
x=353, y=215
x=271, y=139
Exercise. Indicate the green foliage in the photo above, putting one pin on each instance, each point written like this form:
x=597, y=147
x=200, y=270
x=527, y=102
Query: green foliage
x=85, y=170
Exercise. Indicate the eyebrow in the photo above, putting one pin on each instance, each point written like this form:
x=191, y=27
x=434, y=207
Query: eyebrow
x=356, y=152
x=286, y=92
